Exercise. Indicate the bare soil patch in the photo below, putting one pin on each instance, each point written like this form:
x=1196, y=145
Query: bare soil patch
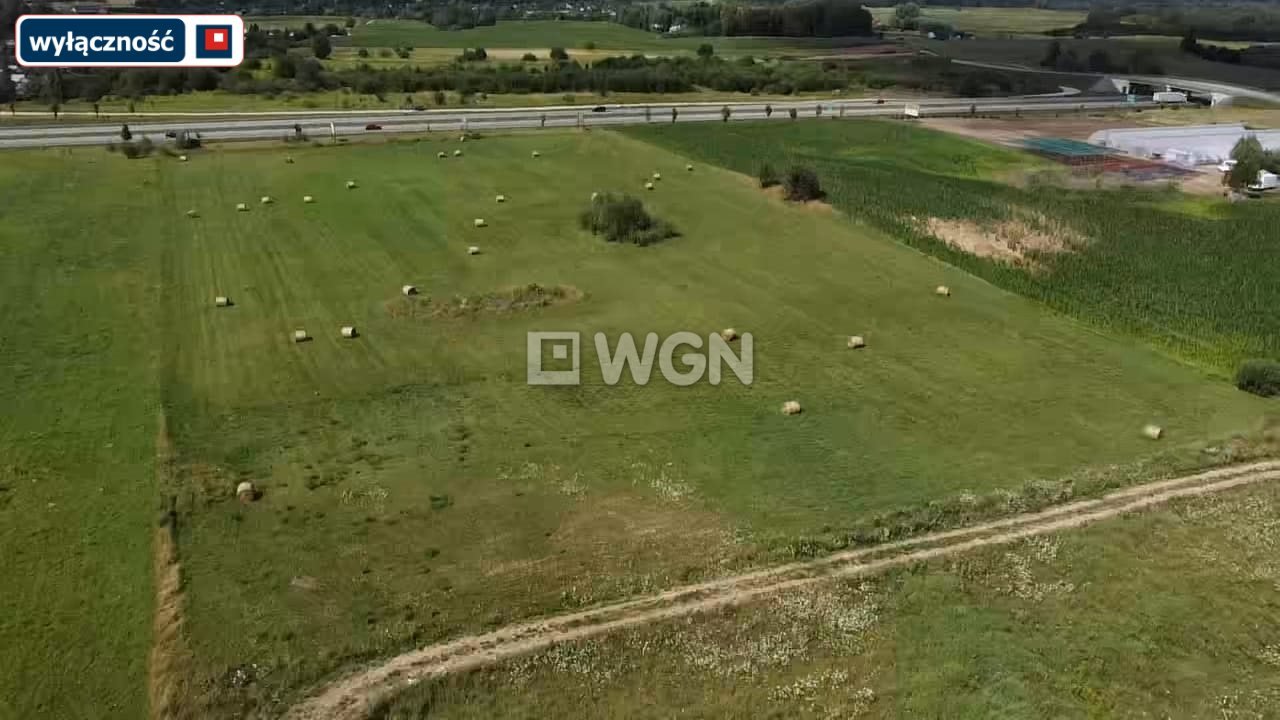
x=500, y=302
x=1015, y=241
x=1012, y=131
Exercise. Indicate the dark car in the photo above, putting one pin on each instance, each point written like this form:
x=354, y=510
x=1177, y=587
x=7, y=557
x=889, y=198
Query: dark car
x=170, y=134
x=599, y=108
x=879, y=101
x=373, y=126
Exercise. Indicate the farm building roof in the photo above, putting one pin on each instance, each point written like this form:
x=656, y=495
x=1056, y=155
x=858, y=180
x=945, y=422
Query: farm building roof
x=1064, y=146
x=1199, y=144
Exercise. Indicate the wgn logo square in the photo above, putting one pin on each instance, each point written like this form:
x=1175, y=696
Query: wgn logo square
x=213, y=42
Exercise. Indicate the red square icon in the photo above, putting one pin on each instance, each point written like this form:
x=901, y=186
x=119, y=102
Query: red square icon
x=216, y=39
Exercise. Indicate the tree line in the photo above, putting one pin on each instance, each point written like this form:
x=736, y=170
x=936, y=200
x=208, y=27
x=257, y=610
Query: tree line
x=794, y=18
x=1064, y=58
x=635, y=74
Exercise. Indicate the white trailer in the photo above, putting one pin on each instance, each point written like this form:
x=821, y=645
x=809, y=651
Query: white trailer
x=1266, y=181
x=1169, y=97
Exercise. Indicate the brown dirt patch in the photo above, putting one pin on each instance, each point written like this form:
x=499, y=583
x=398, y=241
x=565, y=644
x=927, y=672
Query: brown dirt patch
x=169, y=666
x=858, y=52
x=501, y=302
x=1015, y=241
x=1012, y=131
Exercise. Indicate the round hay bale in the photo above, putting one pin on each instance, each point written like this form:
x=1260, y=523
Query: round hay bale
x=288, y=160
x=192, y=213
x=942, y=290
x=856, y=342
x=442, y=154
x=501, y=198
x=479, y=222
x=473, y=250
x=266, y=200
x=729, y=334
x=657, y=176
x=457, y=153
x=1153, y=432
x=648, y=186
x=408, y=290
x=308, y=199
x=222, y=301
x=349, y=331
x=351, y=184
x=595, y=196
x=242, y=207
x=246, y=492
x=537, y=154
x=791, y=407
x=300, y=336
x=689, y=167
x=182, y=158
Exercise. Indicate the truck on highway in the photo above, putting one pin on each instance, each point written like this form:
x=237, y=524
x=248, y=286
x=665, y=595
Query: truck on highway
x=1169, y=97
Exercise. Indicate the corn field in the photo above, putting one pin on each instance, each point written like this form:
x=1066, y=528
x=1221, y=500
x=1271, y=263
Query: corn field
x=1204, y=288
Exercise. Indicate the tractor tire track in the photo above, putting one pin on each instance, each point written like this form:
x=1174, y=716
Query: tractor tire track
x=351, y=697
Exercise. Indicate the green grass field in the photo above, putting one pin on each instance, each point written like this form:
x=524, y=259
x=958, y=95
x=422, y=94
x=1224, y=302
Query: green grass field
x=540, y=35
x=414, y=487
x=77, y=434
x=1197, y=286
x=1168, y=614
x=993, y=20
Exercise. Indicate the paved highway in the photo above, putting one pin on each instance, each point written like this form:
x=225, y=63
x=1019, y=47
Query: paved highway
x=317, y=126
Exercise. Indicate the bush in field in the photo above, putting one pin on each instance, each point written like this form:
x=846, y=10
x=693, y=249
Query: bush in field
x=321, y=47
x=134, y=150
x=558, y=54
x=768, y=176
x=802, y=184
x=624, y=219
x=1260, y=377
x=528, y=57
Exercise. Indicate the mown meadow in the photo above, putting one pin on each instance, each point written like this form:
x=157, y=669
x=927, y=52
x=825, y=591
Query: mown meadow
x=411, y=486
x=1201, y=286
x=1173, y=613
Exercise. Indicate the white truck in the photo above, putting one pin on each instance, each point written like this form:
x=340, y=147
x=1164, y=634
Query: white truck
x=1266, y=181
x=1169, y=97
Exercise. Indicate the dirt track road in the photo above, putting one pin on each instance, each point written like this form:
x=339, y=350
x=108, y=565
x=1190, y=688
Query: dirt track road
x=350, y=697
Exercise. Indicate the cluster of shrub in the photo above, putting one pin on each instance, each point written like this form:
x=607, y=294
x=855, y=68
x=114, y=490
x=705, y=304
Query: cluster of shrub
x=1065, y=59
x=296, y=73
x=1260, y=377
x=794, y=18
x=1257, y=56
x=1225, y=21
x=624, y=219
x=800, y=184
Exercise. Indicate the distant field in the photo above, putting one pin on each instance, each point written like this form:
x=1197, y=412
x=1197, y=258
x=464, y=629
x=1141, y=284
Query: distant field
x=296, y=22
x=992, y=21
x=1029, y=52
x=541, y=35
x=1170, y=614
x=413, y=486
x=1199, y=287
